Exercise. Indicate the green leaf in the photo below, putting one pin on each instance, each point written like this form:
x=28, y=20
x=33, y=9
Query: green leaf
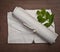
x=43, y=12
x=38, y=12
x=40, y=19
x=47, y=15
x=47, y=24
x=51, y=18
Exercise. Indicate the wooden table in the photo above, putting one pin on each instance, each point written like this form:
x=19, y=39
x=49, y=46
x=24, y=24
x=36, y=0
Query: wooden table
x=9, y=5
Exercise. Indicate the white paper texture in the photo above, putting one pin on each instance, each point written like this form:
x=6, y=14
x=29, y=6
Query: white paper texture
x=18, y=33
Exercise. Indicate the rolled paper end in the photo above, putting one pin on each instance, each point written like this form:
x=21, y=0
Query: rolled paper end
x=26, y=18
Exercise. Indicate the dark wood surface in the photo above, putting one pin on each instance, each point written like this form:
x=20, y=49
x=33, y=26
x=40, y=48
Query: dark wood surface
x=9, y=5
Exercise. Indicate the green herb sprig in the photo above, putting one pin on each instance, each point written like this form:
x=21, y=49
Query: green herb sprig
x=43, y=15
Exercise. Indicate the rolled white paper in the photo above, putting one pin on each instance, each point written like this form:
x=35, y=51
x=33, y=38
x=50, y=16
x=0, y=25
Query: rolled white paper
x=27, y=19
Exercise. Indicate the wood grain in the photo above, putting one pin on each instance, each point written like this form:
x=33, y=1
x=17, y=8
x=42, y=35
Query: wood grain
x=9, y=5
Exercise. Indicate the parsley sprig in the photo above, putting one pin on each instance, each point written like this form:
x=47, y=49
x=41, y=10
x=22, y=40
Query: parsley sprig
x=44, y=15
